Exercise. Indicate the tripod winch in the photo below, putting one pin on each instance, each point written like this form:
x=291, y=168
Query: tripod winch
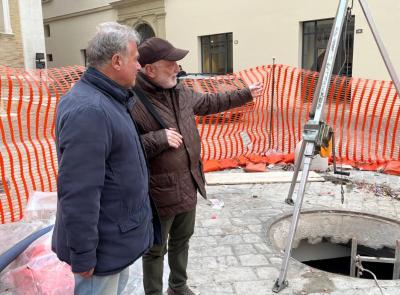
x=318, y=137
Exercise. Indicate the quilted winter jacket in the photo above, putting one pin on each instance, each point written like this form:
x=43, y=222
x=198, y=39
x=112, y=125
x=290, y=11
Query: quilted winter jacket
x=177, y=174
x=104, y=213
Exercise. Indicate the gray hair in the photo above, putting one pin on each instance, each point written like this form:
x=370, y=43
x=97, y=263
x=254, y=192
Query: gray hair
x=110, y=38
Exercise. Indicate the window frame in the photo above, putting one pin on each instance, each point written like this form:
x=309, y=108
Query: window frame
x=210, y=44
x=49, y=57
x=347, y=69
x=47, y=30
x=7, y=29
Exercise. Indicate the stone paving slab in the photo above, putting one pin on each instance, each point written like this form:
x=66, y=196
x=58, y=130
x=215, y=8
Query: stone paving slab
x=230, y=253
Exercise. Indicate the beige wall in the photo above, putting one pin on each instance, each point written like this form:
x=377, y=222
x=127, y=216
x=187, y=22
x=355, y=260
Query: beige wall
x=368, y=62
x=262, y=28
x=68, y=36
x=268, y=28
x=72, y=25
x=61, y=7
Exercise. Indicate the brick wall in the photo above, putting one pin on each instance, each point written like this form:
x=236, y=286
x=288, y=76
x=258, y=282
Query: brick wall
x=11, y=50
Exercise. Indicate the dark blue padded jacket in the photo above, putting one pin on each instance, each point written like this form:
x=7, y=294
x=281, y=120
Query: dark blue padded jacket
x=104, y=214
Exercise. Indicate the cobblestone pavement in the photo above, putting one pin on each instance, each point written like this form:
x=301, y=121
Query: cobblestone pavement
x=230, y=254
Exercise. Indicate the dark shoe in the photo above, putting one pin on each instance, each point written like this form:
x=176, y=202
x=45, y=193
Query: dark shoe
x=185, y=291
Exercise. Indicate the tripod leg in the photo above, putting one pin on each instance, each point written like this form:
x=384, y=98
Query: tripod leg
x=300, y=157
x=281, y=282
x=311, y=133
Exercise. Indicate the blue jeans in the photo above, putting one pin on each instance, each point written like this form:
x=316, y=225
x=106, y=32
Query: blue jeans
x=102, y=285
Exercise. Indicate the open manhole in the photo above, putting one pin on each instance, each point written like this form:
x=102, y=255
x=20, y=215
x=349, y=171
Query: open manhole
x=324, y=241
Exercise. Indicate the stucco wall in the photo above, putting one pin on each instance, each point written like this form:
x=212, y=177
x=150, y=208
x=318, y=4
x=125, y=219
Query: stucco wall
x=69, y=36
x=61, y=7
x=266, y=28
x=261, y=29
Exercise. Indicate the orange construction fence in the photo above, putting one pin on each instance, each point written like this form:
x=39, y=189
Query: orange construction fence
x=363, y=113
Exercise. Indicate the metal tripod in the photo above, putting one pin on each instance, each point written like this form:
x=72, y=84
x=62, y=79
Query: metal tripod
x=315, y=131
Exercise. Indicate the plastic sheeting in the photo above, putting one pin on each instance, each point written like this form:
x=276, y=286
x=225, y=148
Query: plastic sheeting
x=37, y=271
x=12, y=253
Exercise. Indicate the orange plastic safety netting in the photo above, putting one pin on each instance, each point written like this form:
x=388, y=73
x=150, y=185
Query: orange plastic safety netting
x=364, y=114
x=28, y=159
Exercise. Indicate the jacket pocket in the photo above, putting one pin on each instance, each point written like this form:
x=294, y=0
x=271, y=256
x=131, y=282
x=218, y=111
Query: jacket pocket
x=135, y=219
x=129, y=224
x=165, y=190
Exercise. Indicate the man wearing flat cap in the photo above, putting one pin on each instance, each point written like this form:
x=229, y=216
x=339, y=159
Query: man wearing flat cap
x=165, y=114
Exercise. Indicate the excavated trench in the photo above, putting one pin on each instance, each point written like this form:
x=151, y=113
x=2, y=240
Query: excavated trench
x=324, y=237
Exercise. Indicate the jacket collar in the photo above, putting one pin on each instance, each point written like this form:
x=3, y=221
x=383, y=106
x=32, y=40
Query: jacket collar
x=106, y=85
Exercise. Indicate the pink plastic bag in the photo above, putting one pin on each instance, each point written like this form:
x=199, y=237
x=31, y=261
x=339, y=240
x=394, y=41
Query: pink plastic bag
x=39, y=271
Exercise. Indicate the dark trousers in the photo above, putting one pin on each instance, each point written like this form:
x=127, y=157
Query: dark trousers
x=177, y=231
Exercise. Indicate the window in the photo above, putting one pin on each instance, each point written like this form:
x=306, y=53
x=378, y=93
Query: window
x=49, y=57
x=216, y=54
x=84, y=57
x=1, y=17
x=5, y=21
x=145, y=32
x=315, y=40
x=47, y=30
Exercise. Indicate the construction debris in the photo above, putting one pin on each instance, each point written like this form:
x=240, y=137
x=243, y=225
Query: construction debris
x=257, y=177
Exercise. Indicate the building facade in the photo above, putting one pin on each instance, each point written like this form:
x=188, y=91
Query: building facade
x=21, y=33
x=230, y=35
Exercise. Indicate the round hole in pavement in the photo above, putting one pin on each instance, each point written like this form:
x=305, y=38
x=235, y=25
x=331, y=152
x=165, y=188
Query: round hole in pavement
x=324, y=237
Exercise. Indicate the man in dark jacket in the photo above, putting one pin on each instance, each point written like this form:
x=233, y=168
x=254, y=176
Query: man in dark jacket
x=172, y=144
x=104, y=214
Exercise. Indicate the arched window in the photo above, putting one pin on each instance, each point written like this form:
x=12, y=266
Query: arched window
x=145, y=32
x=5, y=22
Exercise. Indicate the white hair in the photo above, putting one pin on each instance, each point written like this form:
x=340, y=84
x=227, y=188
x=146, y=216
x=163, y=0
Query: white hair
x=110, y=38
